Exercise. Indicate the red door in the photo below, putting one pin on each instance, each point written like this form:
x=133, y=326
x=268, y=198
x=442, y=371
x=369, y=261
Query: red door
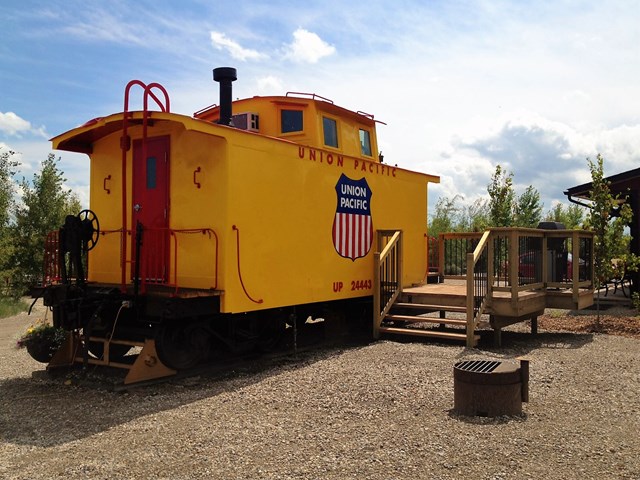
x=150, y=201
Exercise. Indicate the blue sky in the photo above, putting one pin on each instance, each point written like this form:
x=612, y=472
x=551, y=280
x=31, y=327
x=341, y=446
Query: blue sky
x=463, y=86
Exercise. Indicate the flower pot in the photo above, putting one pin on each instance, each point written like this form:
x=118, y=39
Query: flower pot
x=41, y=352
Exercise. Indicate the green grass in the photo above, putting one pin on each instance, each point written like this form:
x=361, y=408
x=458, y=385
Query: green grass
x=10, y=306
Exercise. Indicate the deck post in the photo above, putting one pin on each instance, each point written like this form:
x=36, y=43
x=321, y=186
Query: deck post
x=545, y=263
x=441, y=255
x=376, y=296
x=513, y=266
x=490, y=270
x=470, y=300
x=575, y=266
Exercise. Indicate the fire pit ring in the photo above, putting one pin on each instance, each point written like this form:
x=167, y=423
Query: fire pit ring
x=489, y=388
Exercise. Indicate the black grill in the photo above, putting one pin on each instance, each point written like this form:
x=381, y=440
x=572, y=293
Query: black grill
x=478, y=366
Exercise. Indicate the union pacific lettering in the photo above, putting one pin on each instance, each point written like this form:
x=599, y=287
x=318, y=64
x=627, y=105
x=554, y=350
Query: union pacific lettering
x=359, y=165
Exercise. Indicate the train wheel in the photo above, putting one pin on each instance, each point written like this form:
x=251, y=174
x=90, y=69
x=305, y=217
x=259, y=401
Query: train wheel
x=182, y=346
x=271, y=332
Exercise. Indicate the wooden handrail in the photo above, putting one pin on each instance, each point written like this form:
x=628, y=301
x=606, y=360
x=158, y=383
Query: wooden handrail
x=389, y=246
x=481, y=244
x=387, y=273
x=483, y=285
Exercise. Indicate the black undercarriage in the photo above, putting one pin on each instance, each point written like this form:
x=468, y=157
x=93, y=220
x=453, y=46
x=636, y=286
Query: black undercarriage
x=190, y=330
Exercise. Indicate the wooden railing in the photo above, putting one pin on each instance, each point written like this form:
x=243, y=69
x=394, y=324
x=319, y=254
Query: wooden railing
x=515, y=260
x=387, y=281
x=479, y=283
x=452, y=252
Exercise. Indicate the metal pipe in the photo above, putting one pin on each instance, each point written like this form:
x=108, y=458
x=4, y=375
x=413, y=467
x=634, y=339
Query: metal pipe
x=225, y=76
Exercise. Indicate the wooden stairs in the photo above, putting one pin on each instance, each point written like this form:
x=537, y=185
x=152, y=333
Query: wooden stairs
x=413, y=314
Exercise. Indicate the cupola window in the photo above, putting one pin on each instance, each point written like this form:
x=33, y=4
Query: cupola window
x=291, y=121
x=330, y=127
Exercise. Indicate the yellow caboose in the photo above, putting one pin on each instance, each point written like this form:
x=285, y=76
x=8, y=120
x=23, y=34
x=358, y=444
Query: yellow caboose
x=215, y=228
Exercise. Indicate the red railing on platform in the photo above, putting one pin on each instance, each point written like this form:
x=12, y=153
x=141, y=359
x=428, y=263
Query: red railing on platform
x=51, y=259
x=159, y=255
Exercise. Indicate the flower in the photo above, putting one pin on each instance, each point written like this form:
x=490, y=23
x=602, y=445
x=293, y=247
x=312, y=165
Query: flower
x=41, y=340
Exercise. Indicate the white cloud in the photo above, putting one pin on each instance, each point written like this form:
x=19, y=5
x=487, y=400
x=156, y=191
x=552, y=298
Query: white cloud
x=222, y=42
x=12, y=124
x=547, y=154
x=270, y=85
x=307, y=47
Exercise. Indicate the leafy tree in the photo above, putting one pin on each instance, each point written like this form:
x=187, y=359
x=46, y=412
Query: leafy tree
x=45, y=203
x=501, y=198
x=608, y=218
x=450, y=216
x=8, y=168
x=475, y=217
x=528, y=209
x=572, y=216
x=445, y=216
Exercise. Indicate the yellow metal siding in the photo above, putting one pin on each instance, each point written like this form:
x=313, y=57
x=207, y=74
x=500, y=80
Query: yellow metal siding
x=280, y=196
x=284, y=206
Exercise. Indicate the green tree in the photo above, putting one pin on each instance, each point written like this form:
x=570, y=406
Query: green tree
x=45, y=203
x=475, y=217
x=607, y=217
x=8, y=168
x=572, y=216
x=501, y=198
x=528, y=209
x=445, y=216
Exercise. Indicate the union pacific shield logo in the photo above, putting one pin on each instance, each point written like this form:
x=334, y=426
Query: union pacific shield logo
x=352, y=226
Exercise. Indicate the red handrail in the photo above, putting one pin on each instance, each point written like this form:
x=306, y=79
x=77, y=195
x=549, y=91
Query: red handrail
x=145, y=270
x=125, y=146
x=260, y=300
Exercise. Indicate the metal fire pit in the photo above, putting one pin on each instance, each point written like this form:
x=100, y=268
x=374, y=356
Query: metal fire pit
x=488, y=388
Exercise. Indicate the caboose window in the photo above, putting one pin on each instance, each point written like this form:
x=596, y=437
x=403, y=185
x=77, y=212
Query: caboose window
x=151, y=172
x=365, y=142
x=291, y=121
x=330, y=128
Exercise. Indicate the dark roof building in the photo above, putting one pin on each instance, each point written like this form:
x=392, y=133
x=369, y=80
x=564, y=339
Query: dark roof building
x=627, y=185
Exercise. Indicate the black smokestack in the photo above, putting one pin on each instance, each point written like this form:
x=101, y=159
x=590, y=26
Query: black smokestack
x=225, y=76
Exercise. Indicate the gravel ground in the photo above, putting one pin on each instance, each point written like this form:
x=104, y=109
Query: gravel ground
x=381, y=411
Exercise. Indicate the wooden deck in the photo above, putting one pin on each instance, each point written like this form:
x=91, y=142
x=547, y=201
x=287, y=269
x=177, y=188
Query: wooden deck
x=510, y=274
x=451, y=296
x=453, y=292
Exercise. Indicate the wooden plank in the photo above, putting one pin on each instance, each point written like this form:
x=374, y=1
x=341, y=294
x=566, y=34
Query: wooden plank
x=416, y=319
x=431, y=306
x=427, y=333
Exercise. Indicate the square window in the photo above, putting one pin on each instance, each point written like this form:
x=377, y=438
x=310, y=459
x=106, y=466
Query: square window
x=365, y=142
x=151, y=172
x=291, y=121
x=330, y=128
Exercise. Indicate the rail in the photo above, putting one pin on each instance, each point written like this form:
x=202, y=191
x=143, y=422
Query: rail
x=387, y=275
x=125, y=141
x=161, y=249
x=52, y=272
x=452, y=252
x=479, y=283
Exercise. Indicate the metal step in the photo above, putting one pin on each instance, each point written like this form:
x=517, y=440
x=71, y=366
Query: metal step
x=417, y=319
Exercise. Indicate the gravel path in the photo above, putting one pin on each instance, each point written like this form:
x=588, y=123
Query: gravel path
x=381, y=411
